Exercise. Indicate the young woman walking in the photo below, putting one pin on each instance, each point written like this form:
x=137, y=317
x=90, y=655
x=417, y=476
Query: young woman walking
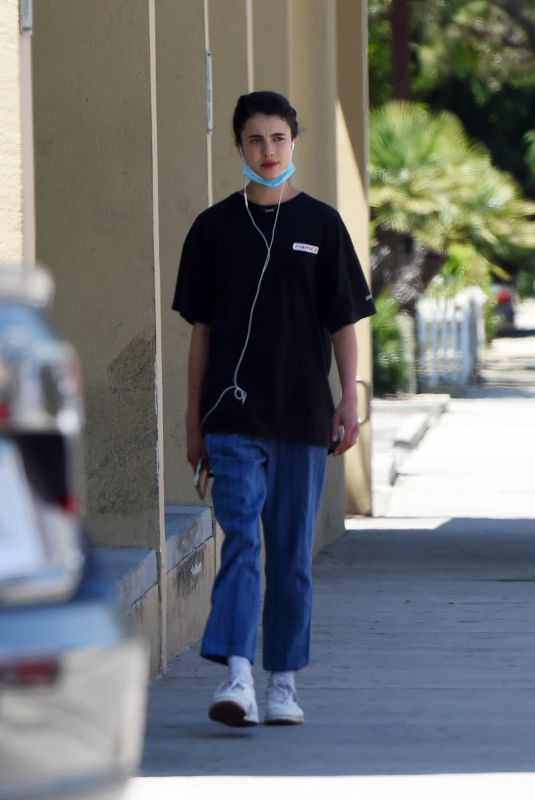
x=271, y=284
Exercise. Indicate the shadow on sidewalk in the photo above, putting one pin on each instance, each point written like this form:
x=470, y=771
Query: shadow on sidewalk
x=423, y=662
x=516, y=333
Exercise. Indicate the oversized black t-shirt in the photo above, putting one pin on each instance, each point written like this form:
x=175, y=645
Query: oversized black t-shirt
x=313, y=285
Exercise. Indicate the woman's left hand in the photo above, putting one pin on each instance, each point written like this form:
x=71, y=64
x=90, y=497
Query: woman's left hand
x=345, y=420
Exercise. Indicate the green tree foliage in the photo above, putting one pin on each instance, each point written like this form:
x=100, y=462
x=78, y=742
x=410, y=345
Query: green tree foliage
x=379, y=52
x=529, y=139
x=430, y=181
x=475, y=58
x=486, y=43
x=389, y=367
x=430, y=188
x=464, y=267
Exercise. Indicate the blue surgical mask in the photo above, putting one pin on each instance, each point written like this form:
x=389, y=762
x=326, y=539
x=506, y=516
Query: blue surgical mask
x=285, y=174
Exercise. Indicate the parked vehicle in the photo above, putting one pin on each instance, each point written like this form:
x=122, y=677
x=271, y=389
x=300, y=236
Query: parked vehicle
x=72, y=676
x=506, y=301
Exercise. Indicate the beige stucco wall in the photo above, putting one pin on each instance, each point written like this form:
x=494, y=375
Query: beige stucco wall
x=189, y=587
x=312, y=71
x=271, y=57
x=352, y=156
x=319, y=61
x=100, y=245
x=11, y=143
x=28, y=166
x=94, y=198
x=183, y=193
x=111, y=221
x=312, y=87
x=229, y=47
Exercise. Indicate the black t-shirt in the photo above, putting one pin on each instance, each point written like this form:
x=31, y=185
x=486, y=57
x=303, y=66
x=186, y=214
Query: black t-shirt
x=313, y=285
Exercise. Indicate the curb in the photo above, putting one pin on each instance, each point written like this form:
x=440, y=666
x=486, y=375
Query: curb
x=410, y=433
x=420, y=413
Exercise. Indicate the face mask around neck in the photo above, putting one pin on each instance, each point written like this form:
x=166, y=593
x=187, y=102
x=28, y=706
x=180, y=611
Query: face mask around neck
x=285, y=174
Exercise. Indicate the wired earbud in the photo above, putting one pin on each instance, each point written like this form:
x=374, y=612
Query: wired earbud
x=239, y=393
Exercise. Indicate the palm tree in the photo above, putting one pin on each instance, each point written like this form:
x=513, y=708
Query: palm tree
x=431, y=187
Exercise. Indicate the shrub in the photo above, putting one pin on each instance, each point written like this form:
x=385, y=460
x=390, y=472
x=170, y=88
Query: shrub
x=389, y=367
x=525, y=283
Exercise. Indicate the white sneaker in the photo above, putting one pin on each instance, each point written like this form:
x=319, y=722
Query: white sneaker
x=281, y=705
x=234, y=704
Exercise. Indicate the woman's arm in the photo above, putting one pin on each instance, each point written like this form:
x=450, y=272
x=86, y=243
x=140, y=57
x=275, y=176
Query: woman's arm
x=197, y=361
x=345, y=415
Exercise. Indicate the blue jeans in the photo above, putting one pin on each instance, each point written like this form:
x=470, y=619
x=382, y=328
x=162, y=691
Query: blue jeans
x=280, y=483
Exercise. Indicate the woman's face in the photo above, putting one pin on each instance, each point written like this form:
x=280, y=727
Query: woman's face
x=266, y=142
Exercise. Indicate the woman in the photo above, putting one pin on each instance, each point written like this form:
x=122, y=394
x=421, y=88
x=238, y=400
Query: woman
x=271, y=283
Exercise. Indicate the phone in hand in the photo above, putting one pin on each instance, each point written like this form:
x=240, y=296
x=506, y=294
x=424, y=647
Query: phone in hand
x=201, y=476
x=334, y=444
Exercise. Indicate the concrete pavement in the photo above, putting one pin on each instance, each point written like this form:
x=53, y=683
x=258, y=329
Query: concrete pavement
x=422, y=679
x=398, y=426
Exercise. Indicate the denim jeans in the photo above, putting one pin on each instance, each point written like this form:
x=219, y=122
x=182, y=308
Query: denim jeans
x=280, y=483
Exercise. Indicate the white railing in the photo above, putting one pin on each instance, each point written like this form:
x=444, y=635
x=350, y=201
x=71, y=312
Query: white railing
x=450, y=338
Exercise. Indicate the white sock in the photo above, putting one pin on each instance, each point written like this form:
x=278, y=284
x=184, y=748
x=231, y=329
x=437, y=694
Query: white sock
x=240, y=669
x=282, y=677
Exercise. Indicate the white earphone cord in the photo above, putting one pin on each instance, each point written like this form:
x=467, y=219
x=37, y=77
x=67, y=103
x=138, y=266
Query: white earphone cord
x=239, y=393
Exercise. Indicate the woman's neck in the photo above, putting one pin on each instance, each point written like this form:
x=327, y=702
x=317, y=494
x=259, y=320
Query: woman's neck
x=269, y=195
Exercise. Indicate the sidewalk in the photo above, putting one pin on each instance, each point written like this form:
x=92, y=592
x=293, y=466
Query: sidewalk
x=422, y=681
x=398, y=426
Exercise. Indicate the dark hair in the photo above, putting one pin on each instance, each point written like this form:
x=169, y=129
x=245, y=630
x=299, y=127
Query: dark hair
x=263, y=103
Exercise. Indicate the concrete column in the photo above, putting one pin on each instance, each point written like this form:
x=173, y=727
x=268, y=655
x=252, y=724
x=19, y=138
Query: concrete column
x=270, y=45
x=17, y=236
x=184, y=148
x=312, y=71
x=185, y=189
x=320, y=63
x=95, y=230
x=230, y=47
x=352, y=159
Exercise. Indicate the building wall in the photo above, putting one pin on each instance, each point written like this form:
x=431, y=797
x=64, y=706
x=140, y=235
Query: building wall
x=352, y=190
x=319, y=61
x=11, y=185
x=229, y=45
x=270, y=27
x=312, y=71
x=184, y=191
x=124, y=163
x=94, y=231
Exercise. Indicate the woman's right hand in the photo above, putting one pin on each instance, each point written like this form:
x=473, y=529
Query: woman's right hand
x=195, y=445
x=197, y=360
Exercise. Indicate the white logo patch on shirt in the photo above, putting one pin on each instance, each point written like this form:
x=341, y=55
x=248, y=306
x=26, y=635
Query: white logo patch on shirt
x=306, y=248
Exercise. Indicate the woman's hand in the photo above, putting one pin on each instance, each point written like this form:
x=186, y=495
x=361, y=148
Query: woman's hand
x=197, y=361
x=195, y=445
x=345, y=417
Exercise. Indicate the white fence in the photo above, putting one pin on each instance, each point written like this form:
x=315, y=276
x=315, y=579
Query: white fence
x=450, y=338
